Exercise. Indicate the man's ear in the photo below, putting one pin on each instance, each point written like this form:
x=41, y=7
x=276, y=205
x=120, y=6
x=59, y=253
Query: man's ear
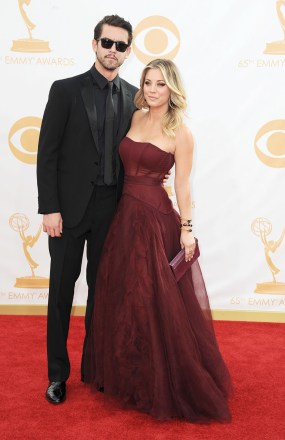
x=94, y=45
x=128, y=51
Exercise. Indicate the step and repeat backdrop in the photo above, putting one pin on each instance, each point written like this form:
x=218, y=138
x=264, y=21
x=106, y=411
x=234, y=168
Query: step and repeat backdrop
x=231, y=55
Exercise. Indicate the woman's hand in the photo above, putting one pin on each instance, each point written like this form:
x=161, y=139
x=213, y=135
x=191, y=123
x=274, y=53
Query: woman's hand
x=187, y=242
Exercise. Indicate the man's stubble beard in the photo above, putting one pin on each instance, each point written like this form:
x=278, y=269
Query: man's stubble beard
x=106, y=64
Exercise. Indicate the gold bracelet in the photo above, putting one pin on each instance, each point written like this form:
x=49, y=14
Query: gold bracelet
x=185, y=228
x=185, y=220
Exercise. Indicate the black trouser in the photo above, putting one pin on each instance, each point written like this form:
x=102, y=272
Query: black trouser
x=66, y=257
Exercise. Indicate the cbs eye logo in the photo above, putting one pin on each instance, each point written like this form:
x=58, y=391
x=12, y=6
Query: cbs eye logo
x=156, y=37
x=23, y=139
x=271, y=150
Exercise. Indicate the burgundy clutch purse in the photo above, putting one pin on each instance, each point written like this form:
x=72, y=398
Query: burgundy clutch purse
x=179, y=266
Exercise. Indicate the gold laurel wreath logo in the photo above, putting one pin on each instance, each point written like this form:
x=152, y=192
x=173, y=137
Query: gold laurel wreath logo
x=156, y=39
x=20, y=223
x=262, y=227
x=275, y=155
x=29, y=139
x=29, y=44
x=278, y=47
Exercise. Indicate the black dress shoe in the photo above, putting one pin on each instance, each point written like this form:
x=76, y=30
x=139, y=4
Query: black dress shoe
x=56, y=392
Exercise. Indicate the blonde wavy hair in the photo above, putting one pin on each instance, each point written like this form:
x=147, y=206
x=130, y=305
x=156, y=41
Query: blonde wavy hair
x=174, y=116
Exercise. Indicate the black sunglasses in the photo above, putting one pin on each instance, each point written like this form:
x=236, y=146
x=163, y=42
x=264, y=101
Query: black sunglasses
x=106, y=43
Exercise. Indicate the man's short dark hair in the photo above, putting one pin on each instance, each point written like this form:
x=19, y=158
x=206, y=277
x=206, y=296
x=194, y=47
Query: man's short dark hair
x=113, y=20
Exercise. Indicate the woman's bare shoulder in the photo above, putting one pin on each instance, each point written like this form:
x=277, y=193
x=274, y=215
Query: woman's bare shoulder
x=184, y=137
x=138, y=115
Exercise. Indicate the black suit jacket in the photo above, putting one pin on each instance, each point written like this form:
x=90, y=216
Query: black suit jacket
x=68, y=161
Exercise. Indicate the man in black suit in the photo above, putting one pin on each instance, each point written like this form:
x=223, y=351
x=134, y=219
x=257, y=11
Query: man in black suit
x=79, y=180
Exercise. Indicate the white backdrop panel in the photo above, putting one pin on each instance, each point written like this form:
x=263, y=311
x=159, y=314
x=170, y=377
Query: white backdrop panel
x=234, y=89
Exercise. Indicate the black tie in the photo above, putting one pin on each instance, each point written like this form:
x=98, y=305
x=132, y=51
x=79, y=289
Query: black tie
x=109, y=128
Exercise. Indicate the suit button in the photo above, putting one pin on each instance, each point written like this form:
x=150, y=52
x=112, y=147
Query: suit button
x=95, y=163
x=92, y=183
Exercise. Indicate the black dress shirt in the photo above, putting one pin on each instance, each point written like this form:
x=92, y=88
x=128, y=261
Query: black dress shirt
x=100, y=96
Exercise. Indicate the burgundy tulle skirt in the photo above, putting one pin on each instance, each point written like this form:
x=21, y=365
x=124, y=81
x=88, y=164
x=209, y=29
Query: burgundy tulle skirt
x=152, y=344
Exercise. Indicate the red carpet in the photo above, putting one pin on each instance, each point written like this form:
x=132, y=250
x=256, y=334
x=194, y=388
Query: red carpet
x=254, y=353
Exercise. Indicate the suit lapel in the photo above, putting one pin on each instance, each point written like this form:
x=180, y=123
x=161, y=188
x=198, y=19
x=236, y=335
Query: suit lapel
x=127, y=111
x=128, y=108
x=87, y=92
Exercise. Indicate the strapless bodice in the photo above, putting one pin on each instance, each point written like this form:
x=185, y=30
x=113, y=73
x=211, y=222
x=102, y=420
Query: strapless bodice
x=145, y=166
x=145, y=159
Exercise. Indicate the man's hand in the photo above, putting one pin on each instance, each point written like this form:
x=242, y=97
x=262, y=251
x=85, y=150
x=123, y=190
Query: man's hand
x=166, y=177
x=52, y=224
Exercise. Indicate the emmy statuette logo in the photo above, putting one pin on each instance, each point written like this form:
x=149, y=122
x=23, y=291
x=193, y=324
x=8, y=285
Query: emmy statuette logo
x=261, y=227
x=278, y=47
x=20, y=223
x=29, y=44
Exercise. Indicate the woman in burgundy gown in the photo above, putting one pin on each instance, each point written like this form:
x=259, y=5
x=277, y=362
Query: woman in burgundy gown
x=152, y=344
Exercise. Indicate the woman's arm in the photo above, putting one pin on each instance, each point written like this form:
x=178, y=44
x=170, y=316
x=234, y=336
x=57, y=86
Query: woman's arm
x=184, y=146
